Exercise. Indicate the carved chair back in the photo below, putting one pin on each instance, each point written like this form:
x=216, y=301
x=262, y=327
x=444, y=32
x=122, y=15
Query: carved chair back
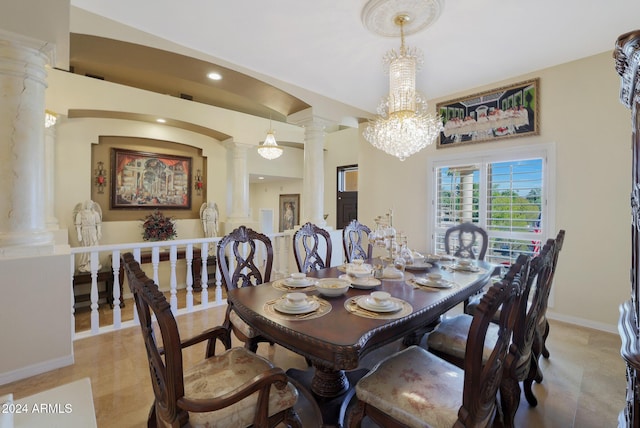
x=352, y=236
x=464, y=239
x=482, y=377
x=165, y=362
x=306, y=248
x=249, y=254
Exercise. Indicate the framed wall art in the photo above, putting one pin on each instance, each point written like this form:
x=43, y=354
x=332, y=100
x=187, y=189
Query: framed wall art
x=144, y=180
x=506, y=112
x=289, y=211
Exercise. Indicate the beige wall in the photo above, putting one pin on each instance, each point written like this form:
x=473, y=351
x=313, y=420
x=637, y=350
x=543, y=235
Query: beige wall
x=266, y=195
x=580, y=113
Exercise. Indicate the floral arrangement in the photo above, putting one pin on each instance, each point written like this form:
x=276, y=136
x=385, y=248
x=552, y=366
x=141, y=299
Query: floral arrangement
x=158, y=227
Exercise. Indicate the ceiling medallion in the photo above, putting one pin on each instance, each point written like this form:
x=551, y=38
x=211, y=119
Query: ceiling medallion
x=379, y=16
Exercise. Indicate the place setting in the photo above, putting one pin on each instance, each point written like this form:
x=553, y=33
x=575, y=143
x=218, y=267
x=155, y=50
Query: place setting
x=418, y=262
x=378, y=305
x=297, y=306
x=464, y=266
x=433, y=281
x=360, y=275
x=297, y=281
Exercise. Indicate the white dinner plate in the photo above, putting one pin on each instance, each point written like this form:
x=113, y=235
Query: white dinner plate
x=362, y=283
x=307, y=282
x=281, y=306
x=442, y=283
x=369, y=304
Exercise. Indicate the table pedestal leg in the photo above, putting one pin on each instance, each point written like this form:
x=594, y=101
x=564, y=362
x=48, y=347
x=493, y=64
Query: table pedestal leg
x=332, y=407
x=328, y=382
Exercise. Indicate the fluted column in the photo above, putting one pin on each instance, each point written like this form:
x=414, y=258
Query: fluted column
x=313, y=175
x=22, y=148
x=51, y=120
x=238, y=184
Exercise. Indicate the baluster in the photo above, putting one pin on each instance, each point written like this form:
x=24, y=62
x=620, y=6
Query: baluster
x=173, y=257
x=288, y=246
x=95, y=316
x=189, y=279
x=117, y=315
x=155, y=261
x=277, y=262
x=204, y=277
x=218, y=283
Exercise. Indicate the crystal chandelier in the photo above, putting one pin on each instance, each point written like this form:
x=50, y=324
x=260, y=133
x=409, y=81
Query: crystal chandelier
x=269, y=149
x=404, y=126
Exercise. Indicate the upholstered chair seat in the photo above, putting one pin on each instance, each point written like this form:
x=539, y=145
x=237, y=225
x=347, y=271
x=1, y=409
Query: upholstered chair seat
x=219, y=375
x=239, y=324
x=396, y=386
x=450, y=336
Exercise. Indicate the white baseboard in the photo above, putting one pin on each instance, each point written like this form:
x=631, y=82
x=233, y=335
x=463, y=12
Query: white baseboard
x=35, y=369
x=581, y=322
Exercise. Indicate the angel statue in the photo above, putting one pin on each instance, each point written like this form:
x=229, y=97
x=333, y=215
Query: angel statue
x=209, y=216
x=87, y=216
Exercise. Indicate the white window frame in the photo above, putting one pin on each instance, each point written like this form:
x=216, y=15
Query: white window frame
x=546, y=151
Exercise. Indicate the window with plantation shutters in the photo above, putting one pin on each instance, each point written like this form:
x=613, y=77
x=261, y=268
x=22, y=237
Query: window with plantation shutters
x=507, y=194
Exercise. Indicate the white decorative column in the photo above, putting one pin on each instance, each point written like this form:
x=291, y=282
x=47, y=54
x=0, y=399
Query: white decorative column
x=51, y=120
x=22, y=148
x=238, y=211
x=313, y=175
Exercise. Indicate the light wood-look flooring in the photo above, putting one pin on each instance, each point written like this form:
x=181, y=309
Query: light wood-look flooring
x=584, y=379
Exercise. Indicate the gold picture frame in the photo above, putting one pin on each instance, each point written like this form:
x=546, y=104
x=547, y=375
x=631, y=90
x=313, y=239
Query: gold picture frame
x=144, y=180
x=289, y=211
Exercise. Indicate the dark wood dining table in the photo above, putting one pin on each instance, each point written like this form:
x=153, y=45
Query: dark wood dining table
x=335, y=342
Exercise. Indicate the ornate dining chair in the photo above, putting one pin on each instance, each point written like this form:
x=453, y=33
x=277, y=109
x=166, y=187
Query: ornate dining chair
x=448, y=340
x=415, y=388
x=352, y=237
x=245, y=258
x=465, y=239
x=306, y=248
x=233, y=388
x=540, y=346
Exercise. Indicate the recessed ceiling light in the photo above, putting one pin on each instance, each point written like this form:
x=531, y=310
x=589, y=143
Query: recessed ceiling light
x=160, y=120
x=214, y=76
x=260, y=178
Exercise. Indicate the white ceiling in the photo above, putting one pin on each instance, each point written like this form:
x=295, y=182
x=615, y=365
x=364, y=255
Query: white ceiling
x=322, y=45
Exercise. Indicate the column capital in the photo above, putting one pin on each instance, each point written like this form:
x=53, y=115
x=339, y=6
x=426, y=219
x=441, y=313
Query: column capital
x=306, y=118
x=234, y=145
x=46, y=49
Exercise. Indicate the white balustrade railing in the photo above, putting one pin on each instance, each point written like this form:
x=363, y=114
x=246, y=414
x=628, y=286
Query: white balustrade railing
x=109, y=255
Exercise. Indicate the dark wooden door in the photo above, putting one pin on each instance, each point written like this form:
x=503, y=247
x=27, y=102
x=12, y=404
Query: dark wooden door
x=347, y=195
x=347, y=208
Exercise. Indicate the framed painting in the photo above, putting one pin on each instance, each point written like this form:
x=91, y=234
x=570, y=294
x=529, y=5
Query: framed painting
x=143, y=180
x=506, y=112
x=289, y=211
